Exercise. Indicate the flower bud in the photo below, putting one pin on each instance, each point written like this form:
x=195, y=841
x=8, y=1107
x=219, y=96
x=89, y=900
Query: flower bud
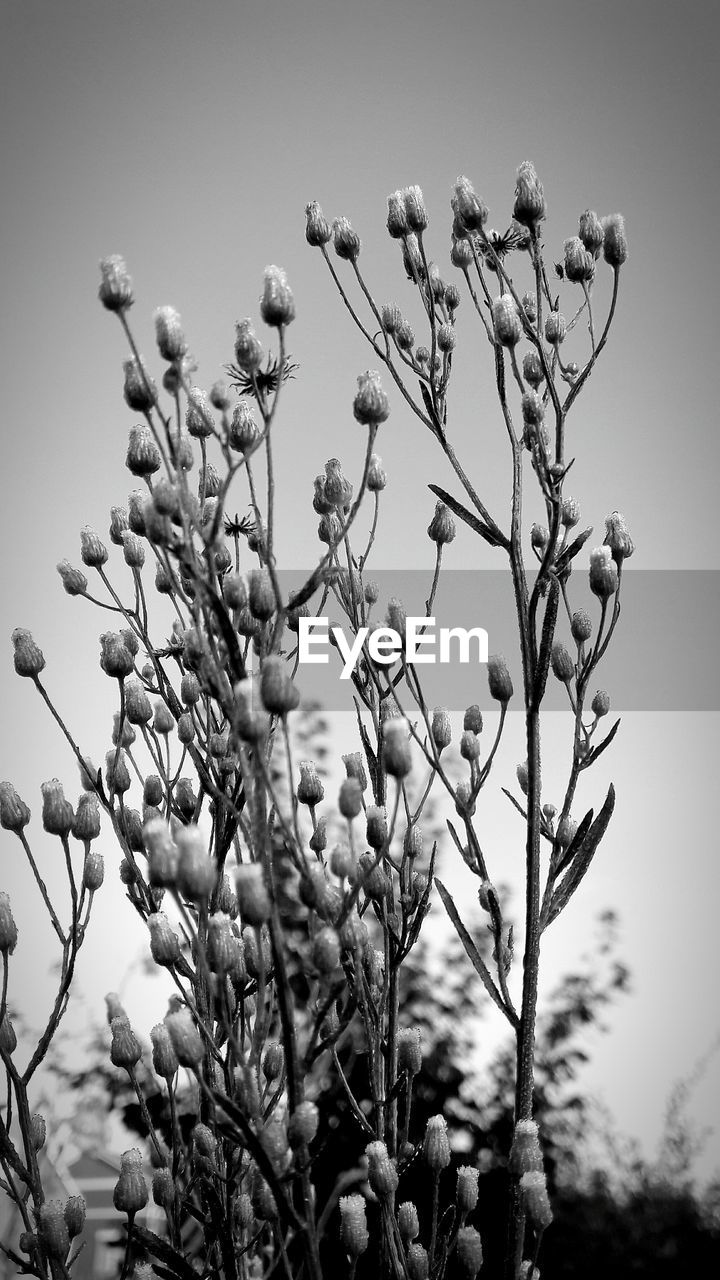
x=14, y=813
x=326, y=950
x=116, y=659
x=461, y=254
x=466, y=1193
x=199, y=421
x=409, y=1050
x=248, y=351
x=277, y=690
x=353, y=1225
x=590, y=232
x=600, y=704
x=131, y=1193
x=74, y=1214
x=169, y=334
x=8, y=928
x=73, y=580
x=115, y=290
x=539, y=537
x=532, y=369
x=317, y=230
x=87, y=818
x=164, y=1058
x=469, y=746
x=436, y=1147
x=376, y=830
x=469, y=1251
x=580, y=626
x=441, y=729
x=408, y=1221
x=350, y=798
x=346, y=241
x=163, y=1189
x=533, y=410
x=52, y=1229
x=522, y=776
x=310, y=789
x=506, y=321
x=566, y=833
x=579, y=264
x=371, y=405
x=555, y=328
x=196, y=872
x=133, y=551
x=471, y=211
x=603, y=573
x=57, y=813
x=396, y=754
x=417, y=219
x=533, y=1186
x=139, y=390
x=185, y=1038
x=29, y=660
x=442, y=526
x=472, y=720
x=525, y=1153
x=252, y=894
x=615, y=249
x=617, y=538
x=397, y=220
x=277, y=304
x=303, y=1124
x=382, y=1174
x=529, y=207
x=261, y=595
x=418, y=1262
x=499, y=682
x=243, y=432
x=561, y=662
x=124, y=1050
x=93, y=871
x=376, y=476
x=161, y=852
x=117, y=774
x=164, y=944
x=446, y=338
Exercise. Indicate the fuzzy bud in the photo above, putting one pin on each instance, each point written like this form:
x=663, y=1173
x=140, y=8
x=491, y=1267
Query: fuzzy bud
x=466, y=1192
x=529, y=207
x=74, y=1214
x=87, y=818
x=472, y=720
x=441, y=729
x=382, y=1174
x=470, y=210
x=28, y=658
x=243, y=432
x=442, y=527
x=248, y=351
x=164, y=944
x=469, y=1251
x=581, y=626
x=371, y=405
x=8, y=928
x=199, y=421
x=409, y=1050
x=317, y=229
x=396, y=754
x=562, y=664
x=14, y=813
x=310, y=789
x=52, y=1229
x=579, y=264
x=600, y=704
x=506, y=321
x=252, y=894
x=326, y=950
x=346, y=241
x=591, y=232
x=350, y=798
x=436, y=1147
x=57, y=812
x=277, y=690
x=353, y=1225
x=164, y=1058
x=261, y=594
x=139, y=389
x=93, y=871
x=617, y=538
x=499, y=682
x=115, y=290
x=73, y=580
x=525, y=1153
x=161, y=851
x=185, y=1037
x=408, y=1221
x=131, y=1193
x=196, y=873
x=532, y=369
x=533, y=1186
x=614, y=246
x=169, y=334
x=376, y=476
x=603, y=573
x=163, y=1188
x=303, y=1124
x=418, y=1262
x=376, y=830
x=555, y=328
x=116, y=659
x=124, y=1050
x=277, y=305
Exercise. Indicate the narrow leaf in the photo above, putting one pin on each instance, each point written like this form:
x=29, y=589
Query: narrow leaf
x=598, y=750
x=493, y=536
x=472, y=952
x=582, y=859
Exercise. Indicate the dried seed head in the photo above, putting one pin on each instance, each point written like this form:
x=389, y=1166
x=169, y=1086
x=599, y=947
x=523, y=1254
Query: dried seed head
x=317, y=229
x=533, y=1186
x=469, y=1251
x=52, y=1229
x=353, y=1225
x=442, y=527
x=466, y=1192
x=436, y=1146
x=131, y=1193
x=185, y=1037
x=382, y=1174
x=28, y=658
x=14, y=813
x=277, y=304
x=57, y=812
x=164, y=1058
x=529, y=207
x=115, y=290
x=346, y=241
x=506, y=321
x=499, y=682
x=125, y=1050
x=371, y=405
x=615, y=249
x=603, y=573
x=169, y=334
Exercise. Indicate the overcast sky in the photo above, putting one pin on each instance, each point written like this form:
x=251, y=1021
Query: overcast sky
x=189, y=137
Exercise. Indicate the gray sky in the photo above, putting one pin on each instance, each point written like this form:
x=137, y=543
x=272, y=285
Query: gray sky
x=189, y=137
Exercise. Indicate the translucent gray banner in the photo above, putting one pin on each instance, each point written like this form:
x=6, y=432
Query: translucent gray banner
x=663, y=655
